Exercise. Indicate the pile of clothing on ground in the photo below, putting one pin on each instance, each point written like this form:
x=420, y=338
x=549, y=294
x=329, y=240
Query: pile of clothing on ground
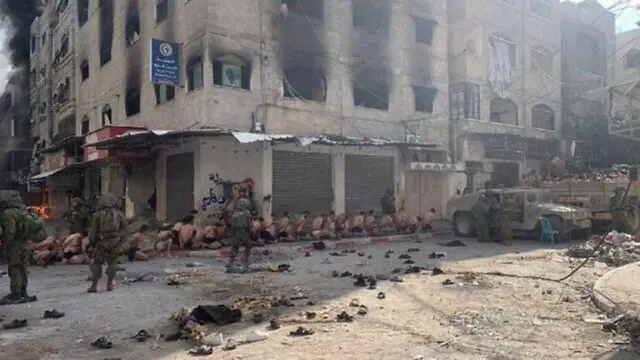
x=617, y=249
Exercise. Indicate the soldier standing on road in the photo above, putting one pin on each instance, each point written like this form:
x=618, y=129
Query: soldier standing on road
x=480, y=210
x=504, y=220
x=617, y=206
x=78, y=216
x=15, y=242
x=106, y=234
x=241, y=226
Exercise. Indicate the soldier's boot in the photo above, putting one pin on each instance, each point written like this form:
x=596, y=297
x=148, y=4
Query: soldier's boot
x=245, y=259
x=12, y=298
x=232, y=257
x=110, y=284
x=94, y=287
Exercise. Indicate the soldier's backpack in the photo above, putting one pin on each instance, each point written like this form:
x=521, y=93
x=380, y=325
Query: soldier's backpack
x=110, y=222
x=241, y=219
x=34, y=230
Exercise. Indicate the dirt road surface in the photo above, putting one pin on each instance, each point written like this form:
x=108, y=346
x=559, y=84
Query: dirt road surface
x=476, y=317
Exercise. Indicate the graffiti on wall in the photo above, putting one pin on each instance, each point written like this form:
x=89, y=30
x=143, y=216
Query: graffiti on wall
x=213, y=201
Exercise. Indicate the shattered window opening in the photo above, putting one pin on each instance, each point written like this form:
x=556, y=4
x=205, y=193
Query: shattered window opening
x=83, y=12
x=543, y=117
x=232, y=71
x=632, y=59
x=85, y=125
x=371, y=89
x=587, y=54
x=84, y=69
x=162, y=10
x=312, y=8
x=504, y=111
x=106, y=115
x=424, y=29
x=195, y=79
x=132, y=102
x=64, y=46
x=304, y=83
x=164, y=93
x=542, y=59
x=372, y=17
x=132, y=31
x=424, y=98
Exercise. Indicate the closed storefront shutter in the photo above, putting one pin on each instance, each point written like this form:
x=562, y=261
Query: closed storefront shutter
x=366, y=179
x=180, y=177
x=301, y=181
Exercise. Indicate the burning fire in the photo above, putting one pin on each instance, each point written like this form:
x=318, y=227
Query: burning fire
x=41, y=210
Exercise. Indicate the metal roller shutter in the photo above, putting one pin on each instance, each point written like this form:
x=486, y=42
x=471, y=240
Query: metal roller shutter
x=180, y=177
x=302, y=181
x=366, y=179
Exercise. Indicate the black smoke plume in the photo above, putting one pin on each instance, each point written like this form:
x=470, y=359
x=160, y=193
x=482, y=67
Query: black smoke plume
x=19, y=14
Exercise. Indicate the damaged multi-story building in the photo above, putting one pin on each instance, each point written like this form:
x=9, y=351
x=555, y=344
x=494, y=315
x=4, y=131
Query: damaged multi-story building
x=323, y=105
x=504, y=71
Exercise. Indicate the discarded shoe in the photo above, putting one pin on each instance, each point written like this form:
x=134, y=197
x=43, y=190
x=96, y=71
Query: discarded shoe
x=27, y=299
x=102, y=343
x=344, y=317
x=372, y=283
x=382, y=295
x=361, y=254
x=319, y=245
x=436, y=271
x=202, y=350
x=447, y=282
x=404, y=256
x=396, y=279
x=346, y=274
x=360, y=282
x=413, y=270
x=437, y=255
x=335, y=273
x=310, y=303
x=397, y=271
x=274, y=324
x=142, y=336
x=301, y=331
x=409, y=262
x=362, y=311
x=53, y=314
x=15, y=324
x=354, y=303
x=307, y=254
x=310, y=315
x=410, y=250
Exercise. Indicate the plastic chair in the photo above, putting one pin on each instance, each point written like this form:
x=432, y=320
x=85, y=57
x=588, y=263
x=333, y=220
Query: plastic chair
x=547, y=233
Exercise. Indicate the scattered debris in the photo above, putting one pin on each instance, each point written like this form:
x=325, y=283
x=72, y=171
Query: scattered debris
x=413, y=270
x=202, y=350
x=436, y=271
x=15, y=324
x=361, y=254
x=335, y=273
x=310, y=315
x=102, y=343
x=346, y=274
x=255, y=336
x=230, y=345
x=142, y=336
x=362, y=310
x=195, y=264
x=409, y=262
x=447, y=282
x=396, y=279
x=621, y=250
x=144, y=277
x=344, y=317
x=213, y=339
x=411, y=250
x=258, y=318
x=454, y=243
x=319, y=245
x=437, y=255
x=274, y=324
x=382, y=295
x=307, y=254
x=404, y=256
x=301, y=331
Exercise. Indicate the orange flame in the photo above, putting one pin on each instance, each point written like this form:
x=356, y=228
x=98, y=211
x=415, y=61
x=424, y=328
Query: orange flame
x=41, y=210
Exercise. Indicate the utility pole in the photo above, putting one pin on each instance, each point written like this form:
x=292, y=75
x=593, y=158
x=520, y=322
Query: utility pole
x=52, y=21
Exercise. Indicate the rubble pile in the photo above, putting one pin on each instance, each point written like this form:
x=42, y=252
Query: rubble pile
x=617, y=249
x=616, y=174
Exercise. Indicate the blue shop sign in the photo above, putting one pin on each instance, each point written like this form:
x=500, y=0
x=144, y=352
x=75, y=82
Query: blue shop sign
x=165, y=62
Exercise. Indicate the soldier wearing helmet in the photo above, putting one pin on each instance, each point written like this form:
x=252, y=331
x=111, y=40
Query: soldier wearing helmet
x=241, y=225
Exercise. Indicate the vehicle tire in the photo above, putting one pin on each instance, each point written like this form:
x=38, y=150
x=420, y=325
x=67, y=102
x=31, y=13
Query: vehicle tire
x=558, y=225
x=463, y=224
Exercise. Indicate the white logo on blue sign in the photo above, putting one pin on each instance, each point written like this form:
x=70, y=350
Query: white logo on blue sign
x=166, y=49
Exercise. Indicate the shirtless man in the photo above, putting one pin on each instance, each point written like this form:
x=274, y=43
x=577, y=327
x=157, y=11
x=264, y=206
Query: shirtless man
x=284, y=227
x=46, y=251
x=133, y=245
x=370, y=226
x=357, y=224
x=299, y=226
x=342, y=226
x=387, y=225
x=318, y=229
x=413, y=225
x=209, y=238
x=400, y=220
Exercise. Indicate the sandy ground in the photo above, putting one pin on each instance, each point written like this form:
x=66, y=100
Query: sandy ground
x=478, y=317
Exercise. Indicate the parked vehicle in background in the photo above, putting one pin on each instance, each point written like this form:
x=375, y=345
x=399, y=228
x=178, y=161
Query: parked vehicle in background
x=531, y=204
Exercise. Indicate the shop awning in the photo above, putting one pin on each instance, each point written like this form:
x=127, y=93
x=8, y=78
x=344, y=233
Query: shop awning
x=46, y=174
x=148, y=137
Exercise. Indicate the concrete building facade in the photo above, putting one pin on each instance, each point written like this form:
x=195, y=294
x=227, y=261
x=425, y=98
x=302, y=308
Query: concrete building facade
x=504, y=71
x=359, y=68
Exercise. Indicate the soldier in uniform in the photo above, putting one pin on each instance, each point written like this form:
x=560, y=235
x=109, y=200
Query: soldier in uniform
x=617, y=206
x=480, y=211
x=241, y=226
x=78, y=216
x=106, y=232
x=506, y=208
x=15, y=238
